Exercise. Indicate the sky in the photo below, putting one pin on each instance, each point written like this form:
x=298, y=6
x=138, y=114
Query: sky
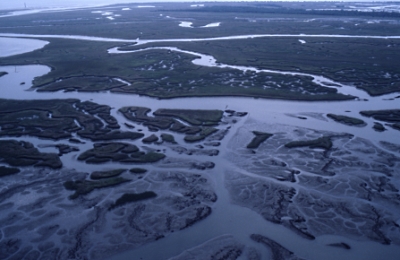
x=20, y=4
x=35, y=4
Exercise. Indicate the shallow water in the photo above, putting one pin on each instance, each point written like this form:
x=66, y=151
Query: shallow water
x=13, y=46
x=189, y=25
x=211, y=25
x=223, y=38
x=186, y=24
x=226, y=218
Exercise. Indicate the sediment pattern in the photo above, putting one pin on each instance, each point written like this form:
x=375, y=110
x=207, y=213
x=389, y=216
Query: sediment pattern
x=348, y=188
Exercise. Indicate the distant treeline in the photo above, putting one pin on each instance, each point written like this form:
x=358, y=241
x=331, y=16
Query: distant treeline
x=282, y=10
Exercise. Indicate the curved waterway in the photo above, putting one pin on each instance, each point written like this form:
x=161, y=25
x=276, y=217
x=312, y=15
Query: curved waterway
x=226, y=217
x=223, y=38
x=210, y=61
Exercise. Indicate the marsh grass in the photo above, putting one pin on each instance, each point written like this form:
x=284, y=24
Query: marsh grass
x=132, y=197
x=85, y=187
x=106, y=174
x=20, y=153
x=138, y=170
x=347, y=120
x=259, y=138
x=388, y=115
x=322, y=142
x=5, y=171
x=168, y=138
x=118, y=152
x=194, y=117
x=206, y=131
x=370, y=64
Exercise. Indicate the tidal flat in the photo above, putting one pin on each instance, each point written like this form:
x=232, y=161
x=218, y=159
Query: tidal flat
x=254, y=131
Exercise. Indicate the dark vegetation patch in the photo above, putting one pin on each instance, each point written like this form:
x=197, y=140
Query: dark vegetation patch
x=181, y=128
x=150, y=139
x=370, y=64
x=267, y=8
x=347, y=120
x=4, y=171
x=258, y=139
x=65, y=149
x=322, y=142
x=378, y=127
x=148, y=76
x=59, y=119
x=132, y=197
x=206, y=131
x=193, y=117
x=278, y=251
x=71, y=23
x=139, y=114
x=106, y=174
x=201, y=213
x=390, y=115
x=137, y=170
x=202, y=165
x=164, y=120
x=341, y=245
x=396, y=126
x=75, y=141
x=82, y=84
x=118, y=152
x=19, y=153
x=84, y=187
x=227, y=252
x=168, y=138
x=231, y=112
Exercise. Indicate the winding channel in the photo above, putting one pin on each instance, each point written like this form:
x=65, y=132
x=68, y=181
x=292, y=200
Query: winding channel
x=210, y=61
x=272, y=111
x=223, y=38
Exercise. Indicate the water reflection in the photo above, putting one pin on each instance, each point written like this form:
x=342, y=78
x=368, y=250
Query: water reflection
x=15, y=46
